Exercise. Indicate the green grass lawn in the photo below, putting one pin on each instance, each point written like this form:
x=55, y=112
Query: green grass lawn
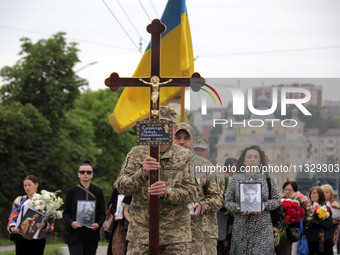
x=50, y=249
x=53, y=243
x=4, y=242
x=52, y=246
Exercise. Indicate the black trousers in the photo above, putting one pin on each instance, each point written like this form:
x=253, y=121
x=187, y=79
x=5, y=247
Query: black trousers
x=83, y=248
x=314, y=248
x=23, y=246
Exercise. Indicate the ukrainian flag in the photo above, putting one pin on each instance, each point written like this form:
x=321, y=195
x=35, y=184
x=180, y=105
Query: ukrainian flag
x=176, y=61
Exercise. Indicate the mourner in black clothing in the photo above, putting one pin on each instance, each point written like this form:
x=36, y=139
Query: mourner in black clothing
x=83, y=239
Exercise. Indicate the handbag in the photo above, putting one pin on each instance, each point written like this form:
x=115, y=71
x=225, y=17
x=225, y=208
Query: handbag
x=278, y=214
x=108, y=223
x=303, y=243
x=293, y=234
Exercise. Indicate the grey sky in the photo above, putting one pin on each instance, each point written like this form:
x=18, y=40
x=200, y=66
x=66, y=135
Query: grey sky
x=228, y=35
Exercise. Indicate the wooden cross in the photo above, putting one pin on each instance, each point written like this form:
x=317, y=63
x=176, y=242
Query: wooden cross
x=156, y=28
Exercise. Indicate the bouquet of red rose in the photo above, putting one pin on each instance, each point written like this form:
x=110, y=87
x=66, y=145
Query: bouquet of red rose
x=335, y=204
x=293, y=214
x=304, y=202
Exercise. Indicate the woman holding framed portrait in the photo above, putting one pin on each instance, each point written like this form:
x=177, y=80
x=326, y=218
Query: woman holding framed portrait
x=22, y=227
x=248, y=197
x=84, y=213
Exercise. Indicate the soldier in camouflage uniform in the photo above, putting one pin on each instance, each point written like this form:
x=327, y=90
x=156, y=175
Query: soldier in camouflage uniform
x=210, y=196
x=201, y=146
x=176, y=189
x=210, y=229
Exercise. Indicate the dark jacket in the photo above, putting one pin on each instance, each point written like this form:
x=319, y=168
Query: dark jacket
x=70, y=213
x=313, y=229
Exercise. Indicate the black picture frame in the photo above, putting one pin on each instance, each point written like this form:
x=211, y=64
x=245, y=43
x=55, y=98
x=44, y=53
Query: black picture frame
x=86, y=211
x=251, y=197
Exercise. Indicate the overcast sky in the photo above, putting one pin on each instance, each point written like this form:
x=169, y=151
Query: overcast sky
x=231, y=38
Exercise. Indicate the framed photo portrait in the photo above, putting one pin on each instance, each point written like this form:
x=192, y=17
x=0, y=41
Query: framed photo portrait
x=120, y=206
x=250, y=197
x=31, y=223
x=86, y=211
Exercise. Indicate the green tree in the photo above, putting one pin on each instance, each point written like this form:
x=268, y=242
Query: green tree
x=314, y=121
x=23, y=130
x=39, y=134
x=333, y=122
x=111, y=147
x=44, y=77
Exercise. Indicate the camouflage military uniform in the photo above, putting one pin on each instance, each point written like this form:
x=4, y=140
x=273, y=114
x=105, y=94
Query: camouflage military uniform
x=210, y=228
x=210, y=196
x=174, y=212
x=169, y=249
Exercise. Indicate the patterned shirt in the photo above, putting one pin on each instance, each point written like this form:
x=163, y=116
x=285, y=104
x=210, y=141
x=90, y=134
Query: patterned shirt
x=13, y=217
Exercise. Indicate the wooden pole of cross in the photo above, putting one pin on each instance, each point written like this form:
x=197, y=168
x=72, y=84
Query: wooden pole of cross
x=156, y=28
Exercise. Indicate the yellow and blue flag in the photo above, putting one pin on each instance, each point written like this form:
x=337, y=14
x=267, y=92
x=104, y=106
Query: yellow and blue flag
x=176, y=61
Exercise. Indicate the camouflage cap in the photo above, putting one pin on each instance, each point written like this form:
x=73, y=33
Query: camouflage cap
x=185, y=126
x=168, y=113
x=201, y=142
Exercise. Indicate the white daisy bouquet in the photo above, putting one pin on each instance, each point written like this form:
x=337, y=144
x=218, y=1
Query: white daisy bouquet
x=48, y=203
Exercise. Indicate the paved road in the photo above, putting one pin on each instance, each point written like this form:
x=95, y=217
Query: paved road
x=7, y=248
x=102, y=250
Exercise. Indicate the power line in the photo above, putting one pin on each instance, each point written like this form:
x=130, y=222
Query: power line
x=89, y=64
x=121, y=25
x=268, y=52
x=130, y=20
x=69, y=38
x=153, y=7
x=140, y=2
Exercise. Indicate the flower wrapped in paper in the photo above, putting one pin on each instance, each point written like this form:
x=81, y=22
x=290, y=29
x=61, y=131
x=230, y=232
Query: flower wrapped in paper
x=335, y=208
x=296, y=208
x=335, y=205
x=318, y=213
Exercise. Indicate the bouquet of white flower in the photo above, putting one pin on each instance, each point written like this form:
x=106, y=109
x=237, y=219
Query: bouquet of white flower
x=48, y=203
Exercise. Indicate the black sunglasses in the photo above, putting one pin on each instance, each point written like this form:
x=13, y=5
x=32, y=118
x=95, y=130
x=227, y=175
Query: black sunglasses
x=87, y=172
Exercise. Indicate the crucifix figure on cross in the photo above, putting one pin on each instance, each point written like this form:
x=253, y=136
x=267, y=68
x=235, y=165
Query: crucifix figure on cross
x=155, y=82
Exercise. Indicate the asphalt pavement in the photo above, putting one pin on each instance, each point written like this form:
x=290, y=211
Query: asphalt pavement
x=102, y=250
